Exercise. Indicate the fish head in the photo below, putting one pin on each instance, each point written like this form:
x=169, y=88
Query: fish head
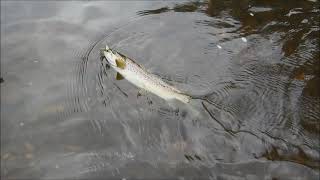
x=114, y=58
x=110, y=56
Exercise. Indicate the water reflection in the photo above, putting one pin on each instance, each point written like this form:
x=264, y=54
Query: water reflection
x=273, y=69
x=254, y=66
x=180, y=7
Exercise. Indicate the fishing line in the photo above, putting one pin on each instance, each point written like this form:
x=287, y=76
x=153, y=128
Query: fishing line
x=85, y=57
x=204, y=98
x=135, y=19
x=90, y=49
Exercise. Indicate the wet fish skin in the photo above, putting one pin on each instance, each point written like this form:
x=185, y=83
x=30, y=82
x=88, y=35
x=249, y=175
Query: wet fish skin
x=140, y=77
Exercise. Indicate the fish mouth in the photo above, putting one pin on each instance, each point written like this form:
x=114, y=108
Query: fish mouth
x=110, y=56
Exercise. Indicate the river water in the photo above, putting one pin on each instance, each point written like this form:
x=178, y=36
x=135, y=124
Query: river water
x=254, y=63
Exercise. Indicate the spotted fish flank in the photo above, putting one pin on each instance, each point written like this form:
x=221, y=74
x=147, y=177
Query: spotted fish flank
x=140, y=77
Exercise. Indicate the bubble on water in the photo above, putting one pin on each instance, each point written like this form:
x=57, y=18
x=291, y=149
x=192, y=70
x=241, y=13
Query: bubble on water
x=304, y=21
x=251, y=14
x=219, y=46
x=21, y=124
x=244, y=39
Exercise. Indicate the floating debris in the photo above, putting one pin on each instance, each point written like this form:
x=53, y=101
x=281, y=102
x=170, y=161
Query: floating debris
x=57, y=166
x=244, y=39
x=1, y=80
x=21, y=124
x=251, y=14
x=219, y=46
x=35, y=61
x=304, y=21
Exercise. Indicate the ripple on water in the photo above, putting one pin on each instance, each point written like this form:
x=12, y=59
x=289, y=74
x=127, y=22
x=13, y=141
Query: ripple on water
x=248, y=85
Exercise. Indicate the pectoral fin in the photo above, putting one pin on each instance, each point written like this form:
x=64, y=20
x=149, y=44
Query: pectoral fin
x=121, y=63
x=119, y=76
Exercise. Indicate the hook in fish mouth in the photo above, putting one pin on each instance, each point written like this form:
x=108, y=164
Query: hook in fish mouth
x=104, y=49
x=110, y=56
x=102, y=53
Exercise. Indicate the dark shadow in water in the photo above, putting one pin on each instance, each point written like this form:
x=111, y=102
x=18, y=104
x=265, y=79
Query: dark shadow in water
x=155, y=11
x=188, y=7
x=182, y=7
x=267, y=103
x=297, y=24
x=298, y=157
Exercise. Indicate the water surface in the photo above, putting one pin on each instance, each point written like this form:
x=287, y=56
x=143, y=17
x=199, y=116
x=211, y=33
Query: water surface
x=65, y=116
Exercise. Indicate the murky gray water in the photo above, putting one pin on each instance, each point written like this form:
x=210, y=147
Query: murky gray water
x=64, y=116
